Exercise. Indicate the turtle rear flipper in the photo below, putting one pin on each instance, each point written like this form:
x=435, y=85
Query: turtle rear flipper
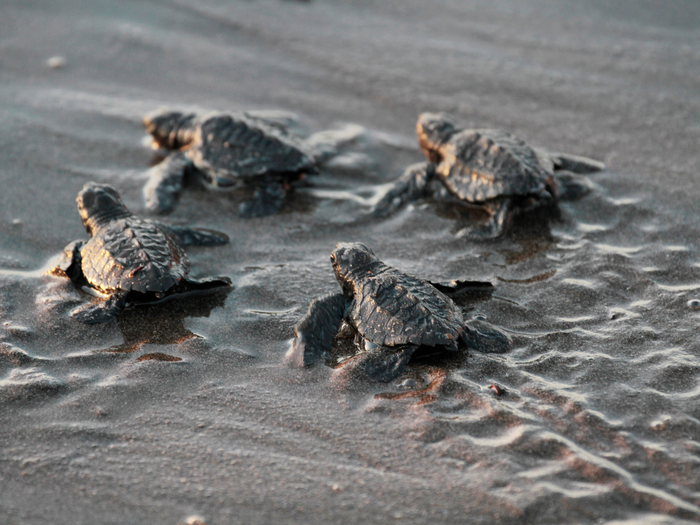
x=575, y=163
x=381, y=363
x=186, y=236
x=314, y=333
x=484, y=337
x=69, y=262
x=502, y=212
x=412, y=185
x=163, y=188
x=568, y=186
x=101, y=312
x=385, y=364
x=268, y=199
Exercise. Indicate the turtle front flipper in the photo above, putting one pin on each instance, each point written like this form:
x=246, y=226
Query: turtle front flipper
x=268, y=199
x=384, y=364
x=186, y=236
x=101, y=312
x=574, y=163
x=165, y=183
x=484, y=337
x=453, y=288
x=412, y=185
x=69, y=262
x=502, y=212
x=314, y=333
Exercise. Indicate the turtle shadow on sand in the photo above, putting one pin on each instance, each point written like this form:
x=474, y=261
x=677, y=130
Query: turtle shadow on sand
x=237, y=197
x=531, y=222
x=532, y=233
x=164, y=323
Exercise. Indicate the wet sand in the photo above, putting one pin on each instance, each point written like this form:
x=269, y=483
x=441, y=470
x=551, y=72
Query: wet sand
x=189, y=408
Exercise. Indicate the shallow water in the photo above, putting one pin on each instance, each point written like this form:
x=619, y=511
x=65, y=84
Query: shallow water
x=189, y=408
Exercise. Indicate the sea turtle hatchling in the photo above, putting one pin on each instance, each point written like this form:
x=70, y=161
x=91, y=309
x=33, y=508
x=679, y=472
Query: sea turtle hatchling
x=488, y=167
x=225, y=150
x=392, y=314
x=128, y=259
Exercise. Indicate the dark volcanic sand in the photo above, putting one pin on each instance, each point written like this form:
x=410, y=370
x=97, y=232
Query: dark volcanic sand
x=601, y=422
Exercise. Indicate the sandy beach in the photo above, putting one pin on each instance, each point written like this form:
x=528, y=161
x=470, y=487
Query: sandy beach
x=601, y=423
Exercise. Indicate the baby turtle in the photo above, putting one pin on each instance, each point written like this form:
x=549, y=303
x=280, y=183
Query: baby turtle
x=225, y=150
x=488, y=167
x=392, y=314
x=131, y=260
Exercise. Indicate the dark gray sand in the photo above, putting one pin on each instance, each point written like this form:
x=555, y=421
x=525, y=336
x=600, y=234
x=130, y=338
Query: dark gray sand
x=601, y=422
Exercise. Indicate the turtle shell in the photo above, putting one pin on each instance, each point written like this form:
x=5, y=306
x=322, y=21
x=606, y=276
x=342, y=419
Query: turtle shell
x=391, y=308
x=238, y=147
x=482, y=164
x=133, y=255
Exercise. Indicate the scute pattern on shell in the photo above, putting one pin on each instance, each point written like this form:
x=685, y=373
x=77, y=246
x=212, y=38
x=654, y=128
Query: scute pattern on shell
x=133, y=255
x=391, y=308
x=478, y=165
x=236, y=146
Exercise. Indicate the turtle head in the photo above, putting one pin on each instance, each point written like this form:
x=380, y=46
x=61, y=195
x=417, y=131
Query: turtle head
x=170, y=129
x=434, y=129
x=99, y=204
x=348, y=257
